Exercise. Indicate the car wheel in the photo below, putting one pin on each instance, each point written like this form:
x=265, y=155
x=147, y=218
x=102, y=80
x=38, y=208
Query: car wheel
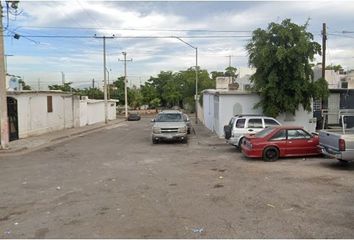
x=154, y=141
x=344, y=162
x=240, y=143
x=185, y=141
x=270, y=154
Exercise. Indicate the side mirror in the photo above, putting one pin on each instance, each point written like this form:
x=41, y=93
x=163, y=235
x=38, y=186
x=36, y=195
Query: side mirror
x=153, y=120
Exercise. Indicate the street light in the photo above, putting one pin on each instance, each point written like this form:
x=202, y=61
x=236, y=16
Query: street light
x=196, y=77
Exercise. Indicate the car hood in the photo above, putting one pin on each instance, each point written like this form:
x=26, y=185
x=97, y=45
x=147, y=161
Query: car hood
x=169, y=124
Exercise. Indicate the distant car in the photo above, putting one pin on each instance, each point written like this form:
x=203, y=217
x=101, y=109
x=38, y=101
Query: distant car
x=187, y=120
x=240, y=125
x=282, y=141
x=133, y=116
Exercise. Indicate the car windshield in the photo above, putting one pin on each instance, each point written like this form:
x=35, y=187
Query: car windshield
x=169, y=117
x=264, y=132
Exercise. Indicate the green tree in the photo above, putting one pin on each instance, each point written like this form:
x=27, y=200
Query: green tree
x=24, y=85
x=91, y=93
x=336, y=68
x=281, y=55
x=215, y=74
x=66, y=87
x=231, y=72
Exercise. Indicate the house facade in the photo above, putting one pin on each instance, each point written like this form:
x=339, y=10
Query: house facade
x=33, y=113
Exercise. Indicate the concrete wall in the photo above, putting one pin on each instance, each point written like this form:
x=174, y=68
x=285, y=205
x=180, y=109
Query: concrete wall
x=68, y=111
x=33, y=117
x=92, y=111
x=219, y=108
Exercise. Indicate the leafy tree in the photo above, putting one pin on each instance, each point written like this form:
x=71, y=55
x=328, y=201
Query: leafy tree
x=336, y=68
x=155, y=103
x=66, y=87
x=281, y=55
x=231, y=72
x=215, y=74
x=119, y=92
x=92, y=93
x=24, y=85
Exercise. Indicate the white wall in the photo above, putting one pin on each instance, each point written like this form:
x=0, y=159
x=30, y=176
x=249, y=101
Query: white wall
x=68, y=111
x=92, y=111
x=217, y=114
x=33, y=117
x=231, y=105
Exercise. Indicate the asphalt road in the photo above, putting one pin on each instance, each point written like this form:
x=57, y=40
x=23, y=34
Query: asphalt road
x=116, y=184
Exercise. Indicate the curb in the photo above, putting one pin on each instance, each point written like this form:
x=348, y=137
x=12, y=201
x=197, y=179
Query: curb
x=23, y=150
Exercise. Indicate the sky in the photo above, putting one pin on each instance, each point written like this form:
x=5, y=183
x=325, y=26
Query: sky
x=58, y=36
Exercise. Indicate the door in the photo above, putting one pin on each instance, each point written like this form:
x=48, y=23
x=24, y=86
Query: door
x=298, y=142
x=12, y=117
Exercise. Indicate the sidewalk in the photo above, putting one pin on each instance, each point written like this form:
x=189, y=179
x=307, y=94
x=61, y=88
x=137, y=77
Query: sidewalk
x=33, y=143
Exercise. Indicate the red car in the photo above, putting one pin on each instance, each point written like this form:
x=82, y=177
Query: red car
x=281, y=141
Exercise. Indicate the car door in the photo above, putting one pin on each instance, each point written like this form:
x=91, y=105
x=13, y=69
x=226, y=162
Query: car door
x=298, y=142
x=254, y=125
x=279, y=140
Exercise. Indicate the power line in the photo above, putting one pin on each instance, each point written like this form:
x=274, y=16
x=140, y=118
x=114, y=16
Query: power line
x=142, y=30
x=132, y=37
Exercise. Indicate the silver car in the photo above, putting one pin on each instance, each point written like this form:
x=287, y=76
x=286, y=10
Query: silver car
x=169, y=125
x=240, y=125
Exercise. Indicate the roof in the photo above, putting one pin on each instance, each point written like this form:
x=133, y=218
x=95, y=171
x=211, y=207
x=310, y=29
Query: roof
x=170, y=111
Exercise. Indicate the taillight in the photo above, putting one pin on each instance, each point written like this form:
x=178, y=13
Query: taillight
x=341, y=144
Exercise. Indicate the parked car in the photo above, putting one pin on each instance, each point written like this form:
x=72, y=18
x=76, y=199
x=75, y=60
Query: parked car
x=240, y=125
x=187, y=120
x=169, y=125
x=338, y=143
x=133, y=116
x=280, y=141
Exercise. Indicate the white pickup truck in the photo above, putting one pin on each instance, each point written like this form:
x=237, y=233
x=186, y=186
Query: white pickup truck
x=339, y=142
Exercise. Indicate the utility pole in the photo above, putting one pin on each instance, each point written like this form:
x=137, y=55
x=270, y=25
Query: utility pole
x=39, y=84
x=4, y=124
x=125, y=82
x=93, y=83
x=62, y=78
x=229, y=60
x=324, y=39
x=108, y=93
x=104, y=78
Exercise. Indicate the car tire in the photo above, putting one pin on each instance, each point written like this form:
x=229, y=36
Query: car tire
x=344, y=162
x=240, y=143
x=270, y=154
x=185, y=141
x=154, y=141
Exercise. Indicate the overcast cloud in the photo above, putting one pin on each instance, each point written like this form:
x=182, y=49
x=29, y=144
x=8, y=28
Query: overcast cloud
x=81, y=58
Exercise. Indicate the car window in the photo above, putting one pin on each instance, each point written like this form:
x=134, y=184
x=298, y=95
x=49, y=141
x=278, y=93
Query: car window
x=169, y=117
x=232, y=120
x=264, y=132
x=280, y=135
x=255, y=123
x=298, y=134
x=270, y=122
x=240, y=123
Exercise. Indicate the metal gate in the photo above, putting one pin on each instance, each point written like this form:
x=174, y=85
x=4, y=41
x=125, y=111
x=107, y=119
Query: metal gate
x=13, y=119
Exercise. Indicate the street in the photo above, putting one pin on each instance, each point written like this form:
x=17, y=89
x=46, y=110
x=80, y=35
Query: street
x=115, y=183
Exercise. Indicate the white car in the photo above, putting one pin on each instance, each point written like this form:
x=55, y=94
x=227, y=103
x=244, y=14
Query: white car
x=240, y=125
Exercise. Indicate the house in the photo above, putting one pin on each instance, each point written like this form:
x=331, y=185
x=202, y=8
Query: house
x=33, y=113
x=220, y=105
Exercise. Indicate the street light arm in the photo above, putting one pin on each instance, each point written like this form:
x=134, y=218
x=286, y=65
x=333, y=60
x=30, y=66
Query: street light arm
x=185, y=42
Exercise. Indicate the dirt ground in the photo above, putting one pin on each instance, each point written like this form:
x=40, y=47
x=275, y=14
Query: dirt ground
x=116, y=184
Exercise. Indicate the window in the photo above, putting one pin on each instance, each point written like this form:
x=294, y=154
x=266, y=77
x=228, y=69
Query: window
x=240, y=123
x=270, y=122
x=298, y=134
x=232, y=120
x=279, y=136
x=264, y=132
x=49, y=104
x=255, y=123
